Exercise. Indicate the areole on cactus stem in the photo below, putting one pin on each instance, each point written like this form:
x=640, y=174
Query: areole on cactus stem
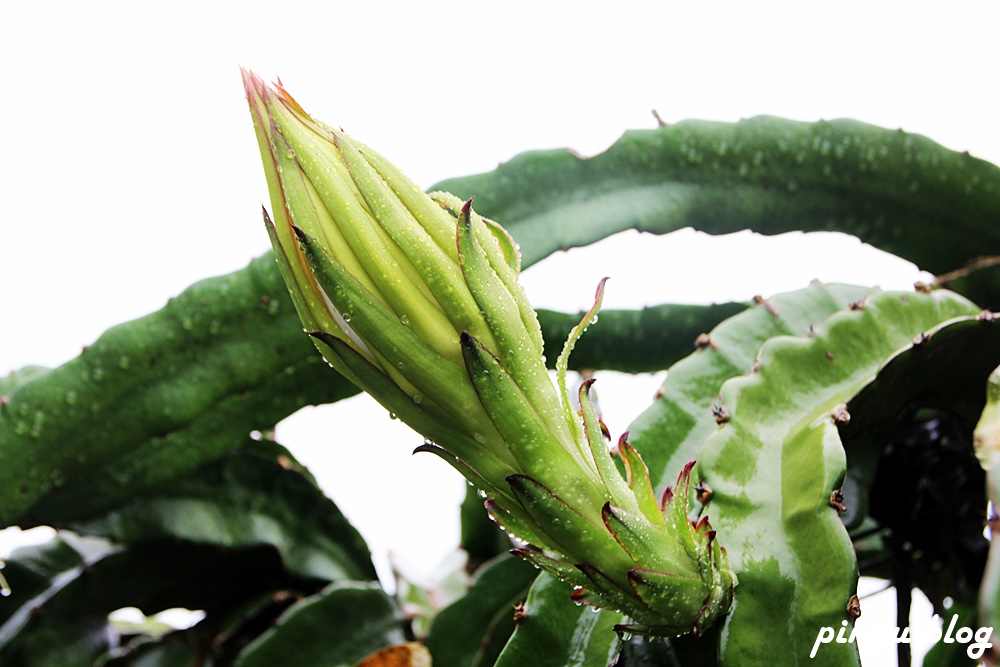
x=415, y=298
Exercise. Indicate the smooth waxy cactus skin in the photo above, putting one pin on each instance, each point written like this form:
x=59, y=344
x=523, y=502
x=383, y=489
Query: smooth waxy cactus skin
x=156, y=397
x=671, y=431
x=986, y=438
x=790, y=548
x=898, y=191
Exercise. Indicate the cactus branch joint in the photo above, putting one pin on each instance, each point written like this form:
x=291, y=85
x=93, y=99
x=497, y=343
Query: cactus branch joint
x=415, y=298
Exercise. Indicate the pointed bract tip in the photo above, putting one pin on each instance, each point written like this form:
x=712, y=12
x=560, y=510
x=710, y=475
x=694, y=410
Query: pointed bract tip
x=668, y=496
x=517, y=480
x=635, y=577
x=586, y=384
x=324, y=337
x=251, y=82
x=465, y=215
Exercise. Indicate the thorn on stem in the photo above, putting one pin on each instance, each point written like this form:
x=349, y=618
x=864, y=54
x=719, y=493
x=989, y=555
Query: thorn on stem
x=720, y=413
x=837, y=500
x=704, y=341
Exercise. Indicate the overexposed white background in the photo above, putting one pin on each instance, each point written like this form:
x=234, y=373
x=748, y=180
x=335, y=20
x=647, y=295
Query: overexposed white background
x=129, y=169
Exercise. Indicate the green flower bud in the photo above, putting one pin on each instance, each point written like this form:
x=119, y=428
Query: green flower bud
x=415, y=298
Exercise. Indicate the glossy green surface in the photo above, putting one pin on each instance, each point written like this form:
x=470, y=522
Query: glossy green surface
x=899, y=192
x=63, y=592
x=336, y=628
x=256, y=494
x=671, y=431
x=773, y=466
x=156, y=397
x=558, y=633
x=472, y=631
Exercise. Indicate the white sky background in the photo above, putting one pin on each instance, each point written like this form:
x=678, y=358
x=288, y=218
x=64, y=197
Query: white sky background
x=129, y=166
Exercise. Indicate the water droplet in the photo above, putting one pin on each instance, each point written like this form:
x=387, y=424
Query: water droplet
x=393, y=415
x=71, y=397
x=347, y=317
x=480, y=438
x=404, y=318
x=97, y=374
x=418, y=398
x=482, y=494
x=486, y=371
x=124, y=362
x=290, y=154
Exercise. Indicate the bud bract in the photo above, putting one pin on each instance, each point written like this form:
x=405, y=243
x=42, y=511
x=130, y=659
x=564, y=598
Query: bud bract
x=415, y=298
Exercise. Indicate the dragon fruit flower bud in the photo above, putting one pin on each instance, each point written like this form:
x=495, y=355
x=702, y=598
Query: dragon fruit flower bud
x=415, y=298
